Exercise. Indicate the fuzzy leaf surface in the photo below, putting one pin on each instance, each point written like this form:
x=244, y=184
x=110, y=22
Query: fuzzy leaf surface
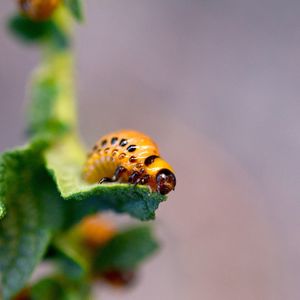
x=34, y=211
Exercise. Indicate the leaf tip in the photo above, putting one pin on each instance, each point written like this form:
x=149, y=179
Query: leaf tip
x=76, y=9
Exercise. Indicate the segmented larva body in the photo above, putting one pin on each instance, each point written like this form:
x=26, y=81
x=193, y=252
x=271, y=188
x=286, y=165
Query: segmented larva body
x=38, y=10
x=130, y=157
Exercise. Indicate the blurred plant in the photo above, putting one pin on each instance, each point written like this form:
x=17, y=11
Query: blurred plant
x=44, y=203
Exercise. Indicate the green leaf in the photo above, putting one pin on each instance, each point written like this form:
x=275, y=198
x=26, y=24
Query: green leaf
x=47, y=289
x=75, y=7
x=51, y=86
x=59, y=288
x=58, y=37
x=126, y=250
x=73, y=257
x=71, y=268
x=34, y=210
x=38, y=31
x=28, y=30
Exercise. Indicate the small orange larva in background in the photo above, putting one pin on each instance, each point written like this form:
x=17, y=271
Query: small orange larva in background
x=130, y=157
x=96, y=230
x=38, y=10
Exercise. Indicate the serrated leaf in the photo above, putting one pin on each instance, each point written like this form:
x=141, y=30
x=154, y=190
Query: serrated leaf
x=34, y=210
x=75, y=7
x=126, y=250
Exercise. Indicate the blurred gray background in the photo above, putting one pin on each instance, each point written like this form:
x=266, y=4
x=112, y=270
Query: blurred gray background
x=217, y=85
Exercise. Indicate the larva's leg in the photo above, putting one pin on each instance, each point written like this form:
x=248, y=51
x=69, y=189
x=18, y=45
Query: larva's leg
x=118, y=173
x=134, y=177
x=120, y=170
x=142, y=180
x=105, y=179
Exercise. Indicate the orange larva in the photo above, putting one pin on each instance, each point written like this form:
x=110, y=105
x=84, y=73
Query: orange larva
x=130, y=157
x=96, y=231
x=38, y=10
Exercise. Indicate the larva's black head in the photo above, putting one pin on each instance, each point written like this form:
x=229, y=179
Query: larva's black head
x=165, y=181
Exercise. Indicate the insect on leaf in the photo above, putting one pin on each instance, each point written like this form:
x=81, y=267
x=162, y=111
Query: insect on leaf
x=65, y=161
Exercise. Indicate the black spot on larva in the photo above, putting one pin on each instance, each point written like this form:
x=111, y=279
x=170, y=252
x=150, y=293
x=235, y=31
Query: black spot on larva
x=131, y=148
x=122, y=155
x=95, y=147
x=132, y=159
x=123, y=142
x=103, y=143
x=113, y=140
x=115, y=151
x=106, y=150
x=150, y=159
